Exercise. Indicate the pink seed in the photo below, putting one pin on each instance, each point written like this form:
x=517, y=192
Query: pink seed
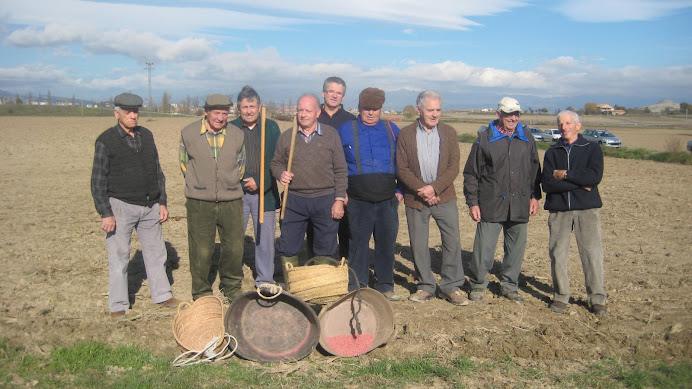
x=350, y=346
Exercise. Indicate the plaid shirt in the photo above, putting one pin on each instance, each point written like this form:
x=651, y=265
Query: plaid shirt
x=216, y=143
x=101, y=168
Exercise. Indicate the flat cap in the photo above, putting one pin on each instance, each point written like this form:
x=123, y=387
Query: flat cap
x=127, y=101
x=509, y=105
x=217, y=101
x=372, y=98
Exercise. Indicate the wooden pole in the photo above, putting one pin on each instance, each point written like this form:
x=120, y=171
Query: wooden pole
x=290, y=162
x=263, y=134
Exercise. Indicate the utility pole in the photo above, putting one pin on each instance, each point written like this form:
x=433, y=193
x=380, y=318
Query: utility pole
x=149, y=104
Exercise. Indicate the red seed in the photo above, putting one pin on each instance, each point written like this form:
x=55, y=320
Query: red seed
x=350, y=346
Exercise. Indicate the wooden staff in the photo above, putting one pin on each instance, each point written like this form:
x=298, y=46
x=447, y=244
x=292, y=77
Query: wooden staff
x=263, y=134
x=290, y=162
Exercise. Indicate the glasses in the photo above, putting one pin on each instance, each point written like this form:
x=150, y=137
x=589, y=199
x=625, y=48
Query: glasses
x=333, y=92
x=510, y=114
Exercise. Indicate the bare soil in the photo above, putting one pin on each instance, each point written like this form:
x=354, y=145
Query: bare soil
x=55, y=283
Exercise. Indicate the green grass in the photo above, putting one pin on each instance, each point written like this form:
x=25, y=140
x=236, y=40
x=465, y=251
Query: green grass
x=682, y=157
x=96, y=365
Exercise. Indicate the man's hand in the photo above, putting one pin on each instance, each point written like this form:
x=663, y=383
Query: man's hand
x=108, y=224
x=434, y=200
x=559, y=174
x=250, y=184
x=475, y=213
x=399, y=197
x=587, y=188
x=286, y=178
x=163, y=213
x=426, y=193
x=533, y=207
x=338, y=209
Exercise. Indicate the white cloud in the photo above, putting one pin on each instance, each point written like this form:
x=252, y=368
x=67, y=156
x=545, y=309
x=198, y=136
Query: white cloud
x=599, y=11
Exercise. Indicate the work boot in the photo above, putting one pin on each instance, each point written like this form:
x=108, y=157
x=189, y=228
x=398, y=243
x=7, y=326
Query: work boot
x=284, y=260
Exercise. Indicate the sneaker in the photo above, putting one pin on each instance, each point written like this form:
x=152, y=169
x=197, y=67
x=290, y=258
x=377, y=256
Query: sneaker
x=170, y=303
x=457, y=298
x=599, y=309
x=514, y=296
x=557, y=306
x=476, y=295
x=421, y=296
x=391, y=296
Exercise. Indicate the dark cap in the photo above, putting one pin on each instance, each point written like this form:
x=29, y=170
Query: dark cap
x=371, y=98
x=217, y=101
x=127, y=101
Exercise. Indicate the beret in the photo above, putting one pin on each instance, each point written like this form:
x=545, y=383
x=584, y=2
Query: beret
x=217, y=101
x=371, y=98
x=127, y=100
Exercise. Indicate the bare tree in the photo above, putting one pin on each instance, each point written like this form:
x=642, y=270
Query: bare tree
x=48, y=97
x=74, y=101
x=409, y=111
x=30, y=98
x=166, y=102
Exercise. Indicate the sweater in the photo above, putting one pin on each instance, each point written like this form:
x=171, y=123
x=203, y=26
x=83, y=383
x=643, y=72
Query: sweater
x=408, y=166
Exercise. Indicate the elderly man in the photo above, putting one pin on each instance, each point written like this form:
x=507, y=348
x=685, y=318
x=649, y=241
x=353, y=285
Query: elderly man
x=572, y=170
x=427, y=162
x=249, y=121
x=317, y=183
x=332, y=113
x=129, y=191
x=212, y=158
x=373, y=197
x=502, y=188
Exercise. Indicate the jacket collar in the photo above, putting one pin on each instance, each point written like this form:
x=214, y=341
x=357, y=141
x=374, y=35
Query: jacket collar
x=497, y=135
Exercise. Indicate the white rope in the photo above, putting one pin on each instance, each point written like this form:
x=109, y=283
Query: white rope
x=191, y=357
x=274, y=289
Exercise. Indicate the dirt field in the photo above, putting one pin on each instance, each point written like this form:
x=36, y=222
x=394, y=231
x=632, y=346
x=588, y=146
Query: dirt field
x=55, y=283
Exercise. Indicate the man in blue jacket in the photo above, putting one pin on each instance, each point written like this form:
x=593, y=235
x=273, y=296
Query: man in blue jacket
x=373, y=197
x=572, y=170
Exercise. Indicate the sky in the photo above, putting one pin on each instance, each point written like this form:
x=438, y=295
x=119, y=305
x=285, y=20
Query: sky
x=546, y=53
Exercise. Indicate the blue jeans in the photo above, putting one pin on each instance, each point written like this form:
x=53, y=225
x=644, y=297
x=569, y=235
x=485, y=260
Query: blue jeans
x=381, y=221
x=146, y=220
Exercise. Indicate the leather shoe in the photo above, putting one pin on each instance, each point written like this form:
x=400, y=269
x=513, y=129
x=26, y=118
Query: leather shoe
x=457, y=298
x=599, y=309
x=170, y=303
x=391, y=296
x=558, y=306
x=421, y=296
x=514, y=296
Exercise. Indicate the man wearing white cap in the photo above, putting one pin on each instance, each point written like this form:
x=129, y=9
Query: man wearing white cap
x=502, y=189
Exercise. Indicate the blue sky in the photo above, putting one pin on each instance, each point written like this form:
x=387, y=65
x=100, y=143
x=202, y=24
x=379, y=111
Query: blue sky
x=545, y=53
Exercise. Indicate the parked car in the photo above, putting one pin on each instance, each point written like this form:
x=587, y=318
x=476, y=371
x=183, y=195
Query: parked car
x=689, y=146
x=552, y=134
x=603, y=137
x=538, y=135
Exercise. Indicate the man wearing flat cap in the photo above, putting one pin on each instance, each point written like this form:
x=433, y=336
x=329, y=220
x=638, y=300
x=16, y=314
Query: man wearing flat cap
x=212, y=158
x=373, y=196
x=502, y=187
x=129, y=191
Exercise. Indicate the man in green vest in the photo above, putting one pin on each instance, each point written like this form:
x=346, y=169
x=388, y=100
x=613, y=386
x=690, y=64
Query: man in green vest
x=212, y=158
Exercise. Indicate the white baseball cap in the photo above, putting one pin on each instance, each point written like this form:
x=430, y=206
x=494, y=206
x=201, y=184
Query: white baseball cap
x=508, y=104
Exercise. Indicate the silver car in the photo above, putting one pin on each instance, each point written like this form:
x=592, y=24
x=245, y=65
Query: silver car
x=603, y=137
x=538, y=135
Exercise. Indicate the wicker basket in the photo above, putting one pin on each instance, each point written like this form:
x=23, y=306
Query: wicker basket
x=196, y=324
x=318, y=284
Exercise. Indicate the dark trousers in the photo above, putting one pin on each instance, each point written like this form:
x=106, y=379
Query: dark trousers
x=300, y=211
x=381, y=221
x=344, y=236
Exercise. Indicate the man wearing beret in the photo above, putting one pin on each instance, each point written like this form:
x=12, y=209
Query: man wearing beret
x=373, y=196
x=129, y=191
x=317, y=183
x=502, y=180
x=212, y=158
x=427, y=163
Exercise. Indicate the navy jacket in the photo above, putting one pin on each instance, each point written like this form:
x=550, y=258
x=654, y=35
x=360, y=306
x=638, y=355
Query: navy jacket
x=584, y=165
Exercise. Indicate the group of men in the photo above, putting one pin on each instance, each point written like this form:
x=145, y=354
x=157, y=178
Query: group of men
x=347, y=176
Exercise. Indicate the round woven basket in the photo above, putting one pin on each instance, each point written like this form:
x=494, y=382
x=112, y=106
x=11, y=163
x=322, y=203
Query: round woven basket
x=196, y=324
x=318, y=284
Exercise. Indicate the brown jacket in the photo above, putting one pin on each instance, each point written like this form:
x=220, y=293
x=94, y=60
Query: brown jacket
x=408, y=166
